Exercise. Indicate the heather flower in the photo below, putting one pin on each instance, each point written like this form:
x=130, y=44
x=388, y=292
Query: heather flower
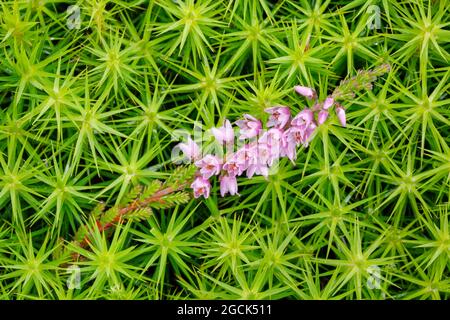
x=322, y=117
x=275, y=140
x=190, y=149
x=305, y=91
x=262, y=154
x=305, y=117
x=295, y=135
x=201, y=187
x=228, y=184
x=290, y=148
x=279, y=116
x=328, y=103
x=210, y=165
x=258, y=169
x=362, y=80
x=300, y=135
x=224, y=134
x=234, y=167
x=250, y=127
x=245, y=156
x=341, y=115
x=273, y=137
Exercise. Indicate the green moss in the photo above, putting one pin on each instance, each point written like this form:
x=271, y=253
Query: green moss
x=88, y=114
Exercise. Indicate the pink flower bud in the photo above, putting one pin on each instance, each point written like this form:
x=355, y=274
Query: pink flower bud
x=340, y=111
x=328, y=103
x=322, y=117
x=305, y=91
x=201, y=187
x=290, y=149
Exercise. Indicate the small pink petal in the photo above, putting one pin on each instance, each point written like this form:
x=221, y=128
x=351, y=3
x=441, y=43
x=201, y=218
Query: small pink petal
x=305, y=91
x=328, y=103
x=341, y=115
x=322, y=117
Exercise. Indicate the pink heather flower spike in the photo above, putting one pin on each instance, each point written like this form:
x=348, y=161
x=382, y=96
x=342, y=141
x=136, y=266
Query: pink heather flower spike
x=281, y=137
x=250, y=127
x=328, y=103
x=305, y=91
x=209, y=166
x=224, y=134
x=322, y=117
x=228, y=184
x=201, y=187
x=279, y=116
x=340, y=111
x=190, y=149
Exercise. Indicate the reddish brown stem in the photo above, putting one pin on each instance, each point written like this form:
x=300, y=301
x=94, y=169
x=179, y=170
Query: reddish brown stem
x=156, y=197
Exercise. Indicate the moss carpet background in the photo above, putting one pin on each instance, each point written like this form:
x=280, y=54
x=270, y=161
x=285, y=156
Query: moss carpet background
x=91, y=99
